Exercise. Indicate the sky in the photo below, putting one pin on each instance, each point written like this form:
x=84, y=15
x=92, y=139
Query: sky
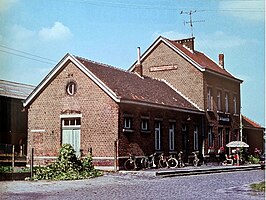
x=35, y=36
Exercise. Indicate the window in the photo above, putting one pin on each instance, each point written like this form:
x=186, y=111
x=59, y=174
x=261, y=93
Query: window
x=210, y=137
x=71, y=88
x=144, y=124
x=226, y=103
x=235, y=104
x=220, y=137
x=196, y=138
x=209, y=99
x=172, y=137
x=157, y=135
x=71, y=122
x=128, y=123
x=219, y=100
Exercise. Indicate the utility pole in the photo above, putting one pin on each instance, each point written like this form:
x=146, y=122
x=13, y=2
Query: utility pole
x=190, y=22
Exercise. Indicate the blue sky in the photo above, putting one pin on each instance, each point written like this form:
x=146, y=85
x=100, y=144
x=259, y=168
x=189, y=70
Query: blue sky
x=35, y=35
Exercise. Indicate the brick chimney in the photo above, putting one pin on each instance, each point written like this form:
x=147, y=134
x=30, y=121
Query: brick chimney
x=221, y=60
x=189, y=42
x=138, y=66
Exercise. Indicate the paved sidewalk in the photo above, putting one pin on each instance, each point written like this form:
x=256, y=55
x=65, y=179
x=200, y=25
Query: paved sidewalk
x=190, y=170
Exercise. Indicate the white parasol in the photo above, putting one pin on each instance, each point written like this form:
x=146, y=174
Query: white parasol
x=237, y=144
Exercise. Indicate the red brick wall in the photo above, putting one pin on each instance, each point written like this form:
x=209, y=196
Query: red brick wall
x=143, y=143
x=186, y=78
x=99, y=121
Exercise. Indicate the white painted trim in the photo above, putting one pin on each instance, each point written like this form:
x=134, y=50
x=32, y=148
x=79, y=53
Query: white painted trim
x=70, y=116
x=161, y=39
x=69, y=57
x=37, y=130
x=44, y=157
x=178, y=92
x=105, y=168
x=190, y=60
x=104, y=158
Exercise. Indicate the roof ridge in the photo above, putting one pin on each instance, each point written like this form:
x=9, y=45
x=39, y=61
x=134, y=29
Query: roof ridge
x=103, y=64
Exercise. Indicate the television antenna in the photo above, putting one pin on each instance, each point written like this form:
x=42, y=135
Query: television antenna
x=190, y=22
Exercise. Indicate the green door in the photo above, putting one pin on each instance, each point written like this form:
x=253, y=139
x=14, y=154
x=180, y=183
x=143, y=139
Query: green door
x=72, y=136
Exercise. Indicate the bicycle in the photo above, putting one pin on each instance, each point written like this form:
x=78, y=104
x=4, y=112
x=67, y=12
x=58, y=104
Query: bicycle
x=172, y=162
x=130, y=163
x=163, y=162
x=180, y=161
x=196, y=159
x=148, y=161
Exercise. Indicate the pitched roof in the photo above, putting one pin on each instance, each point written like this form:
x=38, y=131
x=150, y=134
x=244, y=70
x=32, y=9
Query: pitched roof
x=198, y=59
x=130, y=86
x=248, y=123
x=122, y=86
x=15, y=90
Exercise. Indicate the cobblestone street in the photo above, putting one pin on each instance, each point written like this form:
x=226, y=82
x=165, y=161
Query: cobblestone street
x=232, y=185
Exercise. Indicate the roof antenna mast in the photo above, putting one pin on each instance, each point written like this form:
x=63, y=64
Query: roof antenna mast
x=190, y=22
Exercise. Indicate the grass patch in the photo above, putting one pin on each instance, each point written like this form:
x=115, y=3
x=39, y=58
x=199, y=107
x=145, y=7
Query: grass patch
x=260, y=187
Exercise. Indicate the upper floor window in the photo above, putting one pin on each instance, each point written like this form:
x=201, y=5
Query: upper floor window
x=144, y=124
x=226, y=98
x=128, y=123
x=209, y=99
x=235, y=104
x=219, y=100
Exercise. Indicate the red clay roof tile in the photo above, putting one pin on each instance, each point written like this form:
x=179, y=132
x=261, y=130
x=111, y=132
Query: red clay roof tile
x=201, y=59
x=130, y=86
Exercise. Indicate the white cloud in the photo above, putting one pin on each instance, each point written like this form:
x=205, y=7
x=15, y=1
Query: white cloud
x=57, y=32
x=6, y=5
x=246, y=10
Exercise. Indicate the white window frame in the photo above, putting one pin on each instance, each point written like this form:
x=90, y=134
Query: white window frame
x=226, y=102
x=235, y=104
x=127, y=122
x=220, y=137
x=219, y=100
x=196, y=138
x=210, y=137
x=209, y=99
x=157, y=131
x=172, y=137
x=144, y=124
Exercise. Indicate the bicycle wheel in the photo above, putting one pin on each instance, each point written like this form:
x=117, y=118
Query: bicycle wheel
x=172, y=163
x=144, y=163
x=162, y=164
x=129, y=165
x=195, y=163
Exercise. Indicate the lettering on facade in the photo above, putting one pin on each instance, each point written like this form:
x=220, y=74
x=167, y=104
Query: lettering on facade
x=163, y=68
x=224, y=119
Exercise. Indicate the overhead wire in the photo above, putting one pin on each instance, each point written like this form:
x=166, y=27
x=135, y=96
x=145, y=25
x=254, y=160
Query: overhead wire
x=23, y=54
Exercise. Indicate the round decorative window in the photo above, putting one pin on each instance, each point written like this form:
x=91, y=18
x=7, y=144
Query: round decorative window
x=71, y=88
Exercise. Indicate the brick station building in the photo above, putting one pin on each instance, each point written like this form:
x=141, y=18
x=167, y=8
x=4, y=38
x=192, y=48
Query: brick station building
x=203, y=81
x=112, y=111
